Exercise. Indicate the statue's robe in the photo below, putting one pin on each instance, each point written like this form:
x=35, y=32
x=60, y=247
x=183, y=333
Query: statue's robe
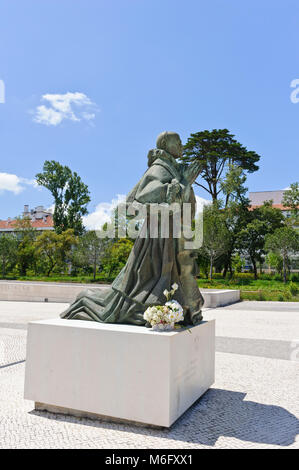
x=154, y=264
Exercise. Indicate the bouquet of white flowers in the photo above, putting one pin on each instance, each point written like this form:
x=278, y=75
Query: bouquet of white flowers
x=163, y=317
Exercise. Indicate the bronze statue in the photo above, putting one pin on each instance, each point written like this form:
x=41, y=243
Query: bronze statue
x=154, y=264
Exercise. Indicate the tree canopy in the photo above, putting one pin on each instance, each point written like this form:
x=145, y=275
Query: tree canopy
x=251, y=238
x=283, y=241
x=216, y=151
x=291, y=200
x=70, y=194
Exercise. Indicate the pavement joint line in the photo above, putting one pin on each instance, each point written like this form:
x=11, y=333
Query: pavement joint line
x=13, y=364
x=269, y=348
x=16, y=326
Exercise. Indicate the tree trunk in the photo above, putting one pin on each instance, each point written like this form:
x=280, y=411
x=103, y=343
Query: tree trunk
x=230, y=270
x=23, y=269
x=225, y=270
x=3, y=268
x=254, y=267
x=284, y=269
x=52, y=265
x=211, y=267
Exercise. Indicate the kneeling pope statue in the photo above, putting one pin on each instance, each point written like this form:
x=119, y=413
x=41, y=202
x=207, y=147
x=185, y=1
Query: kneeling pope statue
x=155, y=263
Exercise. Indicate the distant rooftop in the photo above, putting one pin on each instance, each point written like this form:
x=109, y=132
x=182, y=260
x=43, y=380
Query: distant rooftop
x=41, y=219
x=258, y=198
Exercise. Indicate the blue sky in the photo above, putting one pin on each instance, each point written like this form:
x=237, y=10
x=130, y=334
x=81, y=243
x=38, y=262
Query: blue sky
x=134, y=68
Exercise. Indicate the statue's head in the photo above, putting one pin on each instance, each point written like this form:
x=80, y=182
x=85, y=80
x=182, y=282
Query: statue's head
x=171, y=142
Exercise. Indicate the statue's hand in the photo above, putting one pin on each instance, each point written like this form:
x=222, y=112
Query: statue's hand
x=173, y=191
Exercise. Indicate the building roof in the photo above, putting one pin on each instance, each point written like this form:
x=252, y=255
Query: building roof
x=45, y=223
x=258, y=198
x=276, y=206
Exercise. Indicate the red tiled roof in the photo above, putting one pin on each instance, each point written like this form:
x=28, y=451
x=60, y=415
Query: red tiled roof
x=276, y=206
x=38, y=223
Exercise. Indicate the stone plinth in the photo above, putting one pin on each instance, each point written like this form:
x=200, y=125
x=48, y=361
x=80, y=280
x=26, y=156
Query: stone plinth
x=122, y=372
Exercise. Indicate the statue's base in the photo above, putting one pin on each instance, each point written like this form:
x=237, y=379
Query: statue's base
x=118, y=372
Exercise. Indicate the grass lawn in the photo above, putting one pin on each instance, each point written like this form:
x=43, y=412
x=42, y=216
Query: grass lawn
x=260, y=289
x=61, y=278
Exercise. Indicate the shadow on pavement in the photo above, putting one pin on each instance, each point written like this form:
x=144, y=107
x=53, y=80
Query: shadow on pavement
x=217, y=413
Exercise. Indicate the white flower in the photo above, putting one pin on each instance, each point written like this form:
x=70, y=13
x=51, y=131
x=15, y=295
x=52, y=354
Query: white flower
x=175, y=286
x=165, y=292
x=171, y=312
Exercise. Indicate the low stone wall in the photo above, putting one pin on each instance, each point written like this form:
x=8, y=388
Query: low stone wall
x=41, y=291
x=66, y=293
x=219, y=298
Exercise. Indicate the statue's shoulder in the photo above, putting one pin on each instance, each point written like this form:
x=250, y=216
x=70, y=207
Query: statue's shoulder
x=157, y=171
x=172, y=167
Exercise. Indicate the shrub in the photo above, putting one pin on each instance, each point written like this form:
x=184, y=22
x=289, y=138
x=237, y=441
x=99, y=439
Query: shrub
x=280, y=298
x=217, y=276
x=293, y=289
x=261, y=296
x=245, y=276
x=294, y=277
x=287, y=296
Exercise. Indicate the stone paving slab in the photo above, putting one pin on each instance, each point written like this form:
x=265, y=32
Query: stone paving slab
x=254, y=402
x=18, y=314
x=275, y=349
x=256, y=408
x=252, y=305
x=12, y=346
x=257, y=320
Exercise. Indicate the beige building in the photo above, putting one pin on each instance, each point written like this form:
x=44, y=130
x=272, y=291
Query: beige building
x=41, y=219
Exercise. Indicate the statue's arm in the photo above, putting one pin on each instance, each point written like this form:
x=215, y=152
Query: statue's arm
x=156, y=186
x=192, y=171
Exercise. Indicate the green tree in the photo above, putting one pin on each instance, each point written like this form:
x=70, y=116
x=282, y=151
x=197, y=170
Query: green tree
x=291, y=200
x=116, y=256
x=54, y=247
x=236, y=215
x=275, y=261
x=25, y=254
x=70, y=194
x=89, y=251
x=284, y=241
x=215, y=151
x=215, y=235
x=8, y=248
x=238, y=263
x=232, y=186
x=251, y=239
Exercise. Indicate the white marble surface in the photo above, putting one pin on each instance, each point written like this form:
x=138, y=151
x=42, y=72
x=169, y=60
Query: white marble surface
x=123, y=371
x=219, y=297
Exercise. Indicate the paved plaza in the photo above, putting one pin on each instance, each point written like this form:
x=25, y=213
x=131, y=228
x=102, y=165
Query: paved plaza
x=254, y=402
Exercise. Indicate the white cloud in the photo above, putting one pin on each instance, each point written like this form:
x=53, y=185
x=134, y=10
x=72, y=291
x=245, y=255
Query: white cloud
x=102, y=214
x=13, y=183
x=51, y=209
x=68, y=106
x=200, y=203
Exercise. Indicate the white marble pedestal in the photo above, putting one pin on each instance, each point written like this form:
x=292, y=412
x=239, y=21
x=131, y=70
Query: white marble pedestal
x=123, y=372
